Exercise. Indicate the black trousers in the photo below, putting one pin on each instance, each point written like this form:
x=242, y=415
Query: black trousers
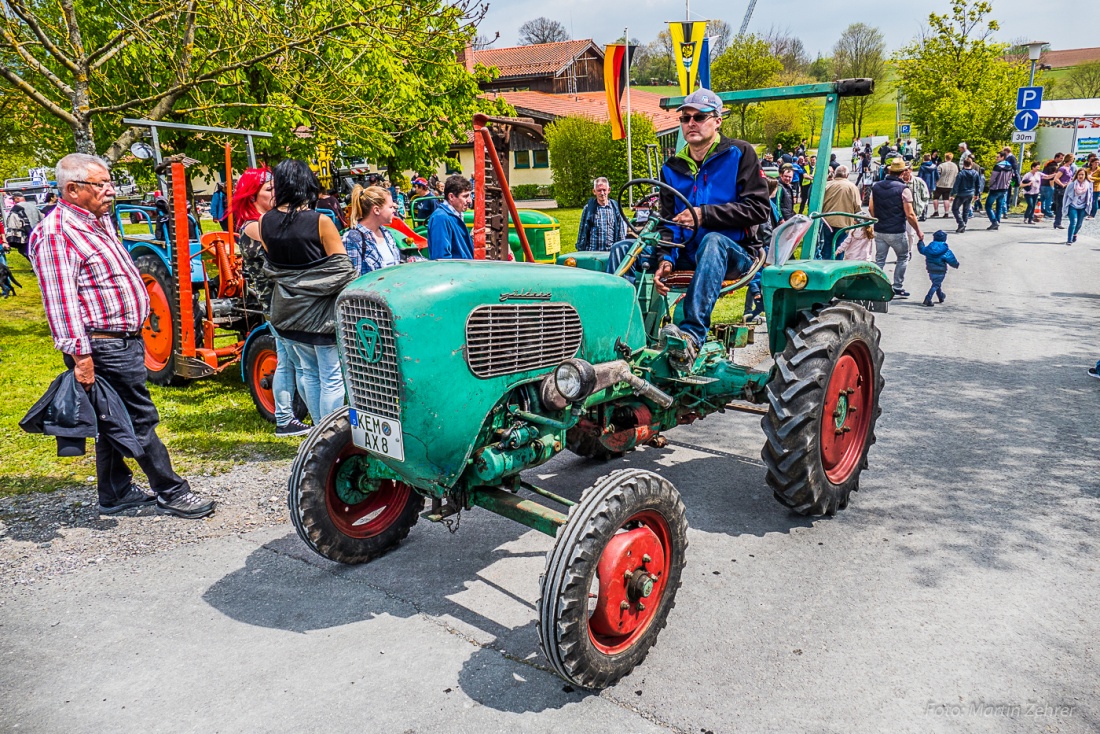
x=1058, y=193
x=121, y=362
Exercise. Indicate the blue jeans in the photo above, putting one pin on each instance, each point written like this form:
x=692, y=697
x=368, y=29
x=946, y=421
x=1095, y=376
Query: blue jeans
x=1076, y=219
x=320, y=381
x=1095, y=203
x=718, y=258
x=1029, y=213
x=996, y=204
x=283, y=381
x=1046, y=196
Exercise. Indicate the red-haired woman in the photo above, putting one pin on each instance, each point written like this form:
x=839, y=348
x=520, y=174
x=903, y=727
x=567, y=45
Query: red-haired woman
x=254, y=195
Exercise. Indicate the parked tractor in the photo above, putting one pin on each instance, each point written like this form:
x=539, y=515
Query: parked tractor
x=506, y=365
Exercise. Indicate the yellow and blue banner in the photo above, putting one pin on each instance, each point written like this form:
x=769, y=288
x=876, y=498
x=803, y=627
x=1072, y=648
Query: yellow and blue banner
x=687, y=46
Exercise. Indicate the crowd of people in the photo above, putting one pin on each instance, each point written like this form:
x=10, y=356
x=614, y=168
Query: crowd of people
x=300, y=248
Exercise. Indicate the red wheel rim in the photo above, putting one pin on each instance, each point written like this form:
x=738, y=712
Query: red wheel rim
x=263, y=372
x=372, y=516
x=157, y=331
x=846, y=417
x=631, y=579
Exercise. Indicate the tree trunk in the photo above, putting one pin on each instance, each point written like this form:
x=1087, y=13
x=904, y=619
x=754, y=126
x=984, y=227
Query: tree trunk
x=82, y=135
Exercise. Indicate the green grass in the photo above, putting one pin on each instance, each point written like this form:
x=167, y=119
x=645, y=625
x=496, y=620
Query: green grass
x=208, y=425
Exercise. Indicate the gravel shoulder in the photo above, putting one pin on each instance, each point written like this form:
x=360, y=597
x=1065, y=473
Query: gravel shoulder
x=48, y=534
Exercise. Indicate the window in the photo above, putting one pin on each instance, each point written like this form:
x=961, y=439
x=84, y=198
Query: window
x=522, y=159
x=451, y=166
x=542, y=159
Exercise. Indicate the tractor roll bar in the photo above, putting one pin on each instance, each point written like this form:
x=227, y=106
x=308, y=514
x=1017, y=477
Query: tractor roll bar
x=154, y=124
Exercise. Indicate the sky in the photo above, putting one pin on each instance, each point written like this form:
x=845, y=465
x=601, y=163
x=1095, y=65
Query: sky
x=1059, y=21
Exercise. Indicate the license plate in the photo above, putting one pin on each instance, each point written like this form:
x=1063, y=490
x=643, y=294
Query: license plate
x=378, y=435
x=552, y=238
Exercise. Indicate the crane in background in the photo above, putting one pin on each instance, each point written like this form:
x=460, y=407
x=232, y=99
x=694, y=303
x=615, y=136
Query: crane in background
x=748, y=16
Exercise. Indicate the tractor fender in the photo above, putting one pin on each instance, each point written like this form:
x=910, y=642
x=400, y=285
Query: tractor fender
x=826, y=280
x=264, y=328
x=147, y=248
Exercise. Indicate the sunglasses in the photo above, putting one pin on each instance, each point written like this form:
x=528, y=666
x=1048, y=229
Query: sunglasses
x=698, y=117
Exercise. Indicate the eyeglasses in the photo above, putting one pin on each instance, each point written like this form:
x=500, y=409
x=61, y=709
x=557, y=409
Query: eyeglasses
x=97, y=185
x=698, y=117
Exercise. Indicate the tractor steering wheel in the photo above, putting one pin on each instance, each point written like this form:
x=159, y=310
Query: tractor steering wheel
x=655, y=213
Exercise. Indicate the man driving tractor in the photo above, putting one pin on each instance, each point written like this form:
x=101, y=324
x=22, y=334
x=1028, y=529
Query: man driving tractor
x=725, y=185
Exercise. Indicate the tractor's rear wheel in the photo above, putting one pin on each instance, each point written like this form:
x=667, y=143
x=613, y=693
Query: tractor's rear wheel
x=260, y=361
x=824, y=403
x=159, y=331
x=611, y=578
x=336, y=510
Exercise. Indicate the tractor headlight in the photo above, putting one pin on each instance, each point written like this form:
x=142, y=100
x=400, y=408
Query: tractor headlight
x=575, y=379
x=570, y=262
x=799, y=279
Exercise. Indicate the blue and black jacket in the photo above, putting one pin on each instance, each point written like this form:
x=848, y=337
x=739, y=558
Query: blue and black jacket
x=730, y=188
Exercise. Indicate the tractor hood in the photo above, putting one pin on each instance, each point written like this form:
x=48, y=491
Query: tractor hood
x=436, y=345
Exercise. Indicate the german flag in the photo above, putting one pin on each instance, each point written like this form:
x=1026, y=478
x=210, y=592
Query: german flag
x=614, y=83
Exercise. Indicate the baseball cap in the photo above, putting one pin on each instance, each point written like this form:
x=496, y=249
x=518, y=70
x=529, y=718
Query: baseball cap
x=703, y=100
x=420, y=182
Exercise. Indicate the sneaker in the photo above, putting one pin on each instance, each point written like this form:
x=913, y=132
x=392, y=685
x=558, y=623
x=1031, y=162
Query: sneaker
x=187, y=505
x=927, y=302
x=294, y=428
x=135, y=497
x=681, y=359
x=960, y=229
x=901, y=293
x=941, y=296
x=933, y=216
x=1094, y=373
x=1074, y=239
x=994, y=226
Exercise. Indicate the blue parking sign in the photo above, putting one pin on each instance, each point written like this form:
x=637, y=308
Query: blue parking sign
x=905, y=129
x=1029, y=98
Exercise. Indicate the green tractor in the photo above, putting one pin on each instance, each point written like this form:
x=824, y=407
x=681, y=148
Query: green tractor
x=461, y=375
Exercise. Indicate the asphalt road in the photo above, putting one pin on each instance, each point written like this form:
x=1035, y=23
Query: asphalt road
x=958, y=592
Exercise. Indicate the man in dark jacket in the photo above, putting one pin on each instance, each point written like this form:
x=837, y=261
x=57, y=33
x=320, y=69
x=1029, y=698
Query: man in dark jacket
x=968, y=184
x=602, y=221
x=726, y=189
x=1001, y=178
x=892, y=204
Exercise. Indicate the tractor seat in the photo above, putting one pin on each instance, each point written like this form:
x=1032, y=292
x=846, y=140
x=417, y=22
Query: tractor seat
x=679, y=280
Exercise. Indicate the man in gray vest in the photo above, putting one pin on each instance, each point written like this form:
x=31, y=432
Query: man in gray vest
x=892, y=204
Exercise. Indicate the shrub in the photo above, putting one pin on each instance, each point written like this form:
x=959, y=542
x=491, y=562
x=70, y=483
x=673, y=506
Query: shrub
x=526, y=191
x=582, y=149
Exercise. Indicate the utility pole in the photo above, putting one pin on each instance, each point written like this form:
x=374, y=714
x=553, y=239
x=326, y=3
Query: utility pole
x=1034, y=51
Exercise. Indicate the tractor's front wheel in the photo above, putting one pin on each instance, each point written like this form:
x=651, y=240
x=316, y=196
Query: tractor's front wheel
x=337, y=508
x=159, y=331
x=611, y=578
x=824, y=403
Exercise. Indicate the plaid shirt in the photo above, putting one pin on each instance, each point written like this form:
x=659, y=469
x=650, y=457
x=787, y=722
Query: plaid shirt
x=89, y=282
x=366, y=253
x=606, y=229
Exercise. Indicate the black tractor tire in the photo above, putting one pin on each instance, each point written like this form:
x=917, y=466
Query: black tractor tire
x=162, y=339
x=813, y=464
x=328, y=526
x=258, y=358
x=625, y=500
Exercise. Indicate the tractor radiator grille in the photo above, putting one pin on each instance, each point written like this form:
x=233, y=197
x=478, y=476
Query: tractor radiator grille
x=509, y=338
x=373, y=380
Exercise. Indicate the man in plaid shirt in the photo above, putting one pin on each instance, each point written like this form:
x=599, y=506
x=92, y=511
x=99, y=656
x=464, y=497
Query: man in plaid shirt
x=602, y=223
x=96, y=304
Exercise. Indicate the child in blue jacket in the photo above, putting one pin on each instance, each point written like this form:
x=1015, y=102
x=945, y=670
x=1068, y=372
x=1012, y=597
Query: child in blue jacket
x=937, y=257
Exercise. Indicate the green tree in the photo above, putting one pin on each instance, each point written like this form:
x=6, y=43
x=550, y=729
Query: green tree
x=747, y=63
x=1083, y=81
x=381, y=77
x=821, y=69
x=581, y=149
x=859, y=53
x=957, y=83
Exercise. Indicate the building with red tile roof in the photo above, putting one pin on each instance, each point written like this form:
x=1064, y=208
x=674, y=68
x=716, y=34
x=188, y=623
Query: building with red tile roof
x=556, y=68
